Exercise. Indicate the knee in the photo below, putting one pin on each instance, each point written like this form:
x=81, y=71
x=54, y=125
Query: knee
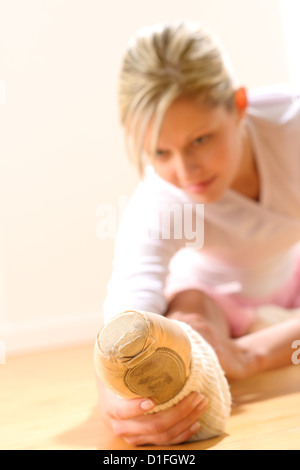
x=200, y=311
x=187, y=301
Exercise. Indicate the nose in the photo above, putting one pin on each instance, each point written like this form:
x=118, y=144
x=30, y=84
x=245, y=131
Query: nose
x=186, y=166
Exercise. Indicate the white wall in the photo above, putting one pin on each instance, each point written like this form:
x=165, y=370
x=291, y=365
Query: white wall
x=290, y=13
x=61, y=148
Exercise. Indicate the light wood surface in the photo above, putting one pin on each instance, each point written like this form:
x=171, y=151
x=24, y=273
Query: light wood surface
x=49, y=400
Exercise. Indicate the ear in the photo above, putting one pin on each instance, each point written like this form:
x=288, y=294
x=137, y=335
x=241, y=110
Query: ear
x=241, y=100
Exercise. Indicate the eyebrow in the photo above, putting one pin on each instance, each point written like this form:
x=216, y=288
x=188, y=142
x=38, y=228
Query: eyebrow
x=199, y=131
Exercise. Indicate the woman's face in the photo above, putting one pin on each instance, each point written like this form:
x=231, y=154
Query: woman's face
x=199, y=148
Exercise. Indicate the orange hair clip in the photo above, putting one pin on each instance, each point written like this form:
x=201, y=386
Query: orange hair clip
x=241, y=99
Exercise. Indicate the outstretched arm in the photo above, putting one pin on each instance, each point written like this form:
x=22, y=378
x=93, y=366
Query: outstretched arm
x=273, y=345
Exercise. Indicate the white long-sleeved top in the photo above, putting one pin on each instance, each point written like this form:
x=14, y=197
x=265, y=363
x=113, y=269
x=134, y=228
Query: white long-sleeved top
x=248, y=245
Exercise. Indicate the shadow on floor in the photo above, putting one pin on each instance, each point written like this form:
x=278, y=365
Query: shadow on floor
x=266, y=386
x=95, y=433
x=85, y=436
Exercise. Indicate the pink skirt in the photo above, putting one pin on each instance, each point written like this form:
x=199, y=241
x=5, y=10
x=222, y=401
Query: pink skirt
x=239, y=310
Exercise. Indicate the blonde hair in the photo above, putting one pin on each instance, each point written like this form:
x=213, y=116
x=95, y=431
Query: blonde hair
x=162, y=63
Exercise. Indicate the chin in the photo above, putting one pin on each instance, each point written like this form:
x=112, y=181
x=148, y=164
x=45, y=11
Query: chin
x=207, y=198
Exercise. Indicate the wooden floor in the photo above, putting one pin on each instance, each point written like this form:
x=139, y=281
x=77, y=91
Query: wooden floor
x=49, y=401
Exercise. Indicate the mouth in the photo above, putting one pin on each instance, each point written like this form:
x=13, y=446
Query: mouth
x=200, y=187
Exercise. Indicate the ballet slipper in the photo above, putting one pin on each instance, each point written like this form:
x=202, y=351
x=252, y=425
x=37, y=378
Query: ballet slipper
x=141, y=354
x=135, y=356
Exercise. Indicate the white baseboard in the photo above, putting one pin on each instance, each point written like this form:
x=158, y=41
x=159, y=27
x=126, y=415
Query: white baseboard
x=48, y=333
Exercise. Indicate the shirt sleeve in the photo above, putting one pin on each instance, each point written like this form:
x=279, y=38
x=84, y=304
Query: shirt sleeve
x=141, y=259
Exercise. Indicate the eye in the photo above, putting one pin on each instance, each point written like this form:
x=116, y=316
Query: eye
x=200, y=140
x=160, y=153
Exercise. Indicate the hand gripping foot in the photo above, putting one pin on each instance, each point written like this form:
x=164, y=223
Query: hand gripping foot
x=142, y=354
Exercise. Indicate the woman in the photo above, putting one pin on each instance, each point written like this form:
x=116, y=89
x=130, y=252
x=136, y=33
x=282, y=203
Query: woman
x=197, y=138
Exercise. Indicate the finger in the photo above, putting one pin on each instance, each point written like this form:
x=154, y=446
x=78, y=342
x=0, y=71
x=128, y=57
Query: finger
x=177, y=434
x=119, y=408
x=159, y=424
